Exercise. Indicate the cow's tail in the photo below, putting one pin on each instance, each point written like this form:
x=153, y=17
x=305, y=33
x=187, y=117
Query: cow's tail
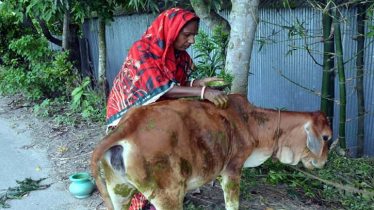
x=106, y=143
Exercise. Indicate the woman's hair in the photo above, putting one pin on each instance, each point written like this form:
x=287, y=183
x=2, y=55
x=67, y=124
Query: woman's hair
x=188, y=22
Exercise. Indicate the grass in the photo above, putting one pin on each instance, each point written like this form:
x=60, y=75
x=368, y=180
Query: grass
x=346, y=173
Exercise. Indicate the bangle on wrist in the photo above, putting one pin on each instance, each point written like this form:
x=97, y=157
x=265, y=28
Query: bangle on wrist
x=191, y=82
x=202, y=92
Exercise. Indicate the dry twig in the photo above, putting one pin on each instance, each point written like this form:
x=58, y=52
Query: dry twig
x=339, y=186
x=74, y=156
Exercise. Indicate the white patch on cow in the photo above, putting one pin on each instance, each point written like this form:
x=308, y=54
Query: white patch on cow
x=285, y=155
x=230, y=204
x=126, y=151
x=195, y=183
x=258, y=157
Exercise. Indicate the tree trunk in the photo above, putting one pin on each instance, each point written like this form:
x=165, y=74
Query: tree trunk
x=70, y=41
x=360, y=79
x=243, y=21
x=65, y=30
x=102, y=81
x=342, y=87
x=74, y=48
x=210, y=17
x=327, y=102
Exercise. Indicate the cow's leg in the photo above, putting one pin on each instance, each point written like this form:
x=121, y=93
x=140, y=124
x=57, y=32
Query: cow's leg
x=121, y=194
x=230, y=184
x=120, y=190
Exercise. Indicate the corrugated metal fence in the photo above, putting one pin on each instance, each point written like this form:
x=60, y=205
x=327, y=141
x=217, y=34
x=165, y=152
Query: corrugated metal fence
x=282, y=56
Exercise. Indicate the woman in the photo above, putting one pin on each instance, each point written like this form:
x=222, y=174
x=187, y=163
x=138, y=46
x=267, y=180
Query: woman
x=157, y=67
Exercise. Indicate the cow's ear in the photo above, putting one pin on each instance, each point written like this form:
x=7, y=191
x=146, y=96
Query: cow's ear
x=313, y=143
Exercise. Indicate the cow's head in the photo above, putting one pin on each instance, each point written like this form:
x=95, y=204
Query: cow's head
x=318, y=133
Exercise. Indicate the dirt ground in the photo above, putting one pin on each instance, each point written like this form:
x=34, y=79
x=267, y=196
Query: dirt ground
x=70, y=148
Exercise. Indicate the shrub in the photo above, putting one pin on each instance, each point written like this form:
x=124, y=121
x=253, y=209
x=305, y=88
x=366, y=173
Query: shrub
x=10, y=30
x=211, y=55
x=42, y=73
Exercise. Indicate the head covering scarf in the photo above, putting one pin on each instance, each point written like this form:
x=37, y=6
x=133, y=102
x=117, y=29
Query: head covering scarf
x=151, y=68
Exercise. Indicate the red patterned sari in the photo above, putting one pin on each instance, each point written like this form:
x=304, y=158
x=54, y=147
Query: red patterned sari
x=151, y=69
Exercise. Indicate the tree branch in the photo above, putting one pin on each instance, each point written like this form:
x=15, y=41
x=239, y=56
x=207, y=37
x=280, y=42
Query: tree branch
x=211, y=18
x=319, y=94
x=28, y=23
x=308, y=50
x=339, y=186
x=48, y=34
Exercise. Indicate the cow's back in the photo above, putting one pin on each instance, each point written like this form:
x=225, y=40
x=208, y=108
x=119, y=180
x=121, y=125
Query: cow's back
x=192, y=136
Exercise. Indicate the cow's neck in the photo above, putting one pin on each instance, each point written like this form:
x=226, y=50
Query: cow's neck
x=271, y=129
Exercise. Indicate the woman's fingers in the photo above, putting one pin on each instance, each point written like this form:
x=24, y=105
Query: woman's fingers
x=216, y=102
x=225, y=100
x=219, y=98
x=222, y=101
x=219, y=103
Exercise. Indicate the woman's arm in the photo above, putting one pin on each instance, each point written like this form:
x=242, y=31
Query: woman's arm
x=219, y=98
x=183, y=91
x=201, y=82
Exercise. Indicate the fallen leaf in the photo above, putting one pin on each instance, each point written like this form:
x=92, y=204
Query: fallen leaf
x=38, y=168
x=62, y=149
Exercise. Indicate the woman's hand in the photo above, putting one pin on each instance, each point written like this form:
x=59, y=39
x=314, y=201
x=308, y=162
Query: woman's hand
x=219, y=98
x=202, y=82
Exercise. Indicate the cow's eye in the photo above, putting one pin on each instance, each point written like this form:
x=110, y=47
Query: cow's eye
x=325, y=138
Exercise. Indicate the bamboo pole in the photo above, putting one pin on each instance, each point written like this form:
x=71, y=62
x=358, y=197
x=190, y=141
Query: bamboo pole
x=361, y=13
x=327, y=106
x=342, y=86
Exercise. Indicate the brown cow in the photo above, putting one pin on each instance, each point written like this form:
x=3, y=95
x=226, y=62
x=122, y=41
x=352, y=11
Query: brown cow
x=167, y=148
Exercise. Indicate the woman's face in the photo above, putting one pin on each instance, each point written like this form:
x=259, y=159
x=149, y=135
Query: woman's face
x=186, y=36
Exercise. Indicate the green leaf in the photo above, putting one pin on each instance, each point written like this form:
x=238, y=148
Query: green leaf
x=77, y=97
x=199, y=56
x=289, y=52
x=76, y=90
x=370, y=34
x=86, y=81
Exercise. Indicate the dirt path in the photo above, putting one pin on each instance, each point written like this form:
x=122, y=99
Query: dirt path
x=29, y=143
x=69, y=149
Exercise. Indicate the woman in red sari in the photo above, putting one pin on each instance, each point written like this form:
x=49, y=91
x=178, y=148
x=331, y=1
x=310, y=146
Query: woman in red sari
x=158, y=67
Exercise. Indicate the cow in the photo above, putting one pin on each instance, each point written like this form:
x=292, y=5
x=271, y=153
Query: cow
x=167, y=148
